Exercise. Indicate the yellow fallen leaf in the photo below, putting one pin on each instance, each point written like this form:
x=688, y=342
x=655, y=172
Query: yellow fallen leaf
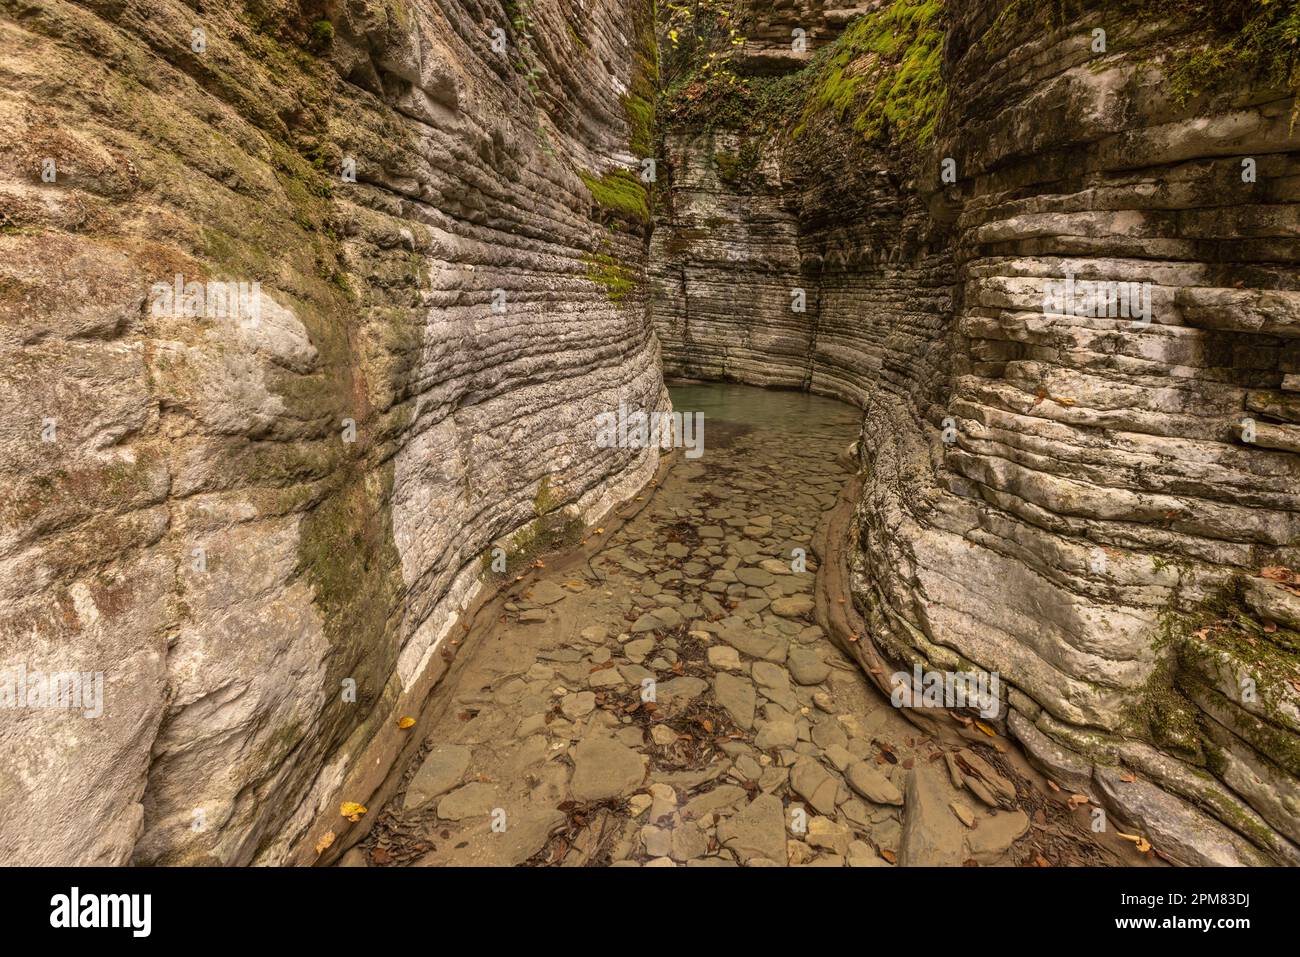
x=323, y=844
x=986, y=729
x=352, y=811
x=405, y=723
x=1140, y=842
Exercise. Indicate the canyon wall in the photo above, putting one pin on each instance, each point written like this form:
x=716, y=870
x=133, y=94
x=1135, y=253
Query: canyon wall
x=1082, y=503
x=260, y=523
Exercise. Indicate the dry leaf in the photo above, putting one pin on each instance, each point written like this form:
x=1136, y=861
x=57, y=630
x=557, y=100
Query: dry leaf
x=405, y=723
x=889, y=856
x=1140, y=842
x=986, y=729
x=1053, y=785
x=1128, y=778
x=352, y=811
x=323, y=844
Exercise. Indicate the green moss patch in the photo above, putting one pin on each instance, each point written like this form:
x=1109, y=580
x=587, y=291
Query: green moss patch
x=884, y=73
x=1231, y=39
x=621, y=192
x=606, y=271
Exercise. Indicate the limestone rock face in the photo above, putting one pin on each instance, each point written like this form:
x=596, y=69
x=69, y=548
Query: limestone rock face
x=1051, y=494
x=258, y=518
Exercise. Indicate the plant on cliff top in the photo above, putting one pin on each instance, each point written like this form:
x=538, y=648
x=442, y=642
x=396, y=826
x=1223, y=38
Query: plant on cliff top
x=699, y=38
x=884, y=73
x=1259, y=39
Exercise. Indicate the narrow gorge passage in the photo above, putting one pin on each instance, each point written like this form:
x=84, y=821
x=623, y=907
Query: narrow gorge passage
x=669, y=699
x=315, y=548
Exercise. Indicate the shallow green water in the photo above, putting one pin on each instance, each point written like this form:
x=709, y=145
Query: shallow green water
x=766, y=410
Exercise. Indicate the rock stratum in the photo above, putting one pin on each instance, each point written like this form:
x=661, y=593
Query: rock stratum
x=1099, y=509
x=261, y=519
x=260, y=526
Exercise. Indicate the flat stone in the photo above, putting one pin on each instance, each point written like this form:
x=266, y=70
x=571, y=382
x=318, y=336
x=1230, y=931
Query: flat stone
x=604, y=768
x=931, y=836
x=829, y=834
x=964, y=813
x=828, y=734
x=657, y=841
x=604, y=678
x=839, y=757
x=815, y=785
x=721, y=797
x=577, y=705
x=807, y=666
x=689, y=841
x=441, y=770
x=754, y=643
x=663, y=801
x=757, y=831
x=663, y=735
x=736, y=694
x=546, y=593
x=669, y=617
x=472, y=800
x=724, y=658
x=757, y=577
x=636, y=651
x=872, y=784
x=776, y=734
x=994, y=835
x=683, y=688
x=769, y=675
x=795, y=606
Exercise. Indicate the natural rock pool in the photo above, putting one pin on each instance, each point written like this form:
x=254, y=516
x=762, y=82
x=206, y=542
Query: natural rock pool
x=669, y=699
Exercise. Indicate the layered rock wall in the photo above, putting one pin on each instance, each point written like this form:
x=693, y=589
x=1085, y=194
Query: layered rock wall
x=1094, y=521
x=260, y=527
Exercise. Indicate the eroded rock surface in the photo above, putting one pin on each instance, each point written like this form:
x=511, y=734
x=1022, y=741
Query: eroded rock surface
x=1068, y=500
x=259, y=528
